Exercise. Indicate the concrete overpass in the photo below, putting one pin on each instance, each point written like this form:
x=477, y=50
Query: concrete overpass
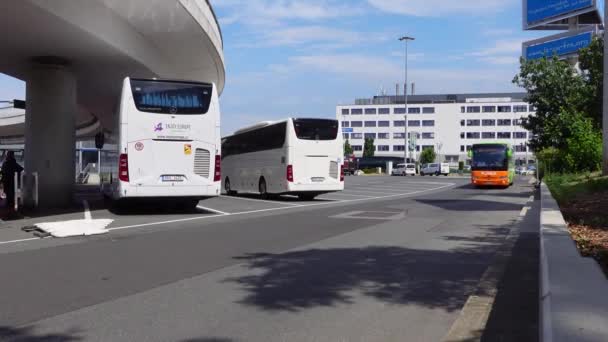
x=74, y=54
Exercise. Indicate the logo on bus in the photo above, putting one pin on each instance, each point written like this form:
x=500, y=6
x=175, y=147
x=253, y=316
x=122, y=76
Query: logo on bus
x=158, y=127
x=139, y=146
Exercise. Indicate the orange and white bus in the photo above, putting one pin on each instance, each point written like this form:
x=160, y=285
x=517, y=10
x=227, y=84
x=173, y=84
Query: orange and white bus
x=492, y=164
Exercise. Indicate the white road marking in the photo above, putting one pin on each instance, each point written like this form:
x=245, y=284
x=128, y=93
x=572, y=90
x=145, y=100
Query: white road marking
x=256, y=211
x=20, y=240
x=524, y=211
x=213, y=210
x=343, y=194
x=531, y=199
x=260, y=200
x=371, y=192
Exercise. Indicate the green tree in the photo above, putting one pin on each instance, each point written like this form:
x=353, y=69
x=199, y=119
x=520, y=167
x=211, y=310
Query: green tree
x=368, y=148
x=427, y=155
x=348, y=150
x=557, y=90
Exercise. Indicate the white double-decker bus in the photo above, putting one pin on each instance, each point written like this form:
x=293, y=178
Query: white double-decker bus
x=300, y=157
x=167, y=138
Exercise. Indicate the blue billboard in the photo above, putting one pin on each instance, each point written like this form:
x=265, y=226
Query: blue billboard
x=347, y=130
x=559, y=47
x=542, y=10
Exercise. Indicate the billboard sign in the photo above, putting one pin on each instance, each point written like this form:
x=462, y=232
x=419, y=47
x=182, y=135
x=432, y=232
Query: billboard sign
x=541, y=12
x=561, y=45
x=347, y=130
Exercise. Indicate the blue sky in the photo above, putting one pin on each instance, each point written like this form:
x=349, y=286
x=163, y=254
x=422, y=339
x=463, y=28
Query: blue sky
x=302, y=58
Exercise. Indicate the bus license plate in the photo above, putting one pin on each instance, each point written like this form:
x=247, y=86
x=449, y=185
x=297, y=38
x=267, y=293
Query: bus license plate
x=172, y=178
x=318, y=179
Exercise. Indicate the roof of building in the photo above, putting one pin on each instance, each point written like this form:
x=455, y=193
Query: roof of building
x=442, y=98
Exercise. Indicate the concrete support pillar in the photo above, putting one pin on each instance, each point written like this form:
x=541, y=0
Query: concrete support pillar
x=49, y=131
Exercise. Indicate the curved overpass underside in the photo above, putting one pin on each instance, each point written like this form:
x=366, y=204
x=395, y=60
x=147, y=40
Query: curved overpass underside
x=73, y=56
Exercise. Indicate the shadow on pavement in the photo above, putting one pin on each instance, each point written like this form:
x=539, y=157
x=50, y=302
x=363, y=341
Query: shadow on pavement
x=279, y=198
x=471, y=205
x=208, y=339
x=27, y=335
x=305, y=279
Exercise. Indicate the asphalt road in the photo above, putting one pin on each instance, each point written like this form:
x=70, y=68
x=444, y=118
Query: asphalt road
x=389, y=259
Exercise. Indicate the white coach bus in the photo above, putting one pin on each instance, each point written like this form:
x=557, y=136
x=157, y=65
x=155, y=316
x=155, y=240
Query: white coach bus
x=300, y=157
x=167, y=138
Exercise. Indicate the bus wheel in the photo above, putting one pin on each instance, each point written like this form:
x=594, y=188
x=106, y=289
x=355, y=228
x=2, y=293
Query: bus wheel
x=307, y=197
x=227, y=188
x=262, y=188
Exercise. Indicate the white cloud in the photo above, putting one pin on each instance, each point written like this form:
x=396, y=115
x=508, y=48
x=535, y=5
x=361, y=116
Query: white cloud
x=428, y=8
x=308, y=34
x=497, y=32
x=412, y=56
x=503, y=52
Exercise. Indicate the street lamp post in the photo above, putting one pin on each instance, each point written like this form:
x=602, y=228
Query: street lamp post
x=405, y=138
x=605, y=105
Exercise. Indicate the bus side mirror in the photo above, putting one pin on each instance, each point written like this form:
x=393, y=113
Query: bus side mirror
x=470, y=153
x=99, y=140
x=509, y=153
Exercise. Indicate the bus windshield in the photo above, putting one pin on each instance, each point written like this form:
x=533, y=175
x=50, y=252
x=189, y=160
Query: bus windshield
x=171, y=97
x=489, y=157
x=316, y=129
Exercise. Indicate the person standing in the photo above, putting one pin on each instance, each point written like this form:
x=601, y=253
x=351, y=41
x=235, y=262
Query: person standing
x=9, y=168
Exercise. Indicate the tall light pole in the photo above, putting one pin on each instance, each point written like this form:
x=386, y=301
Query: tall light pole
x=605, y=105
x=406, y=39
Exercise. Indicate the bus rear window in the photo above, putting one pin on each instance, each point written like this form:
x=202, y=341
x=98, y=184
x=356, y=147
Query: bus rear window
x=170, y=97
x=316, y=129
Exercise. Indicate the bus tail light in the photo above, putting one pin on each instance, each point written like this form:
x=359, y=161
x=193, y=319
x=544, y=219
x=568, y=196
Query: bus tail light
x=342, y=173
x=290, y=173
x=217, y=173
x=123, y=167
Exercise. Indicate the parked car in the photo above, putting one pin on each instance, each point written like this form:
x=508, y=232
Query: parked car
x=435, y=169
x=520, y=170
x=530, y=171
x=404, y=170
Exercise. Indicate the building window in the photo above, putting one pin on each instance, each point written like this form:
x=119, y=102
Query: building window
x=356, y=111
x=503, y=135
x=413, y=123
x=428, y=147
x=473, y=122
x=412, y=134
x=357, y=148
x=384, y=123
x=469, y=148
x=488, y=135
x=356, y=136
x=462, y=109
x=473, y=109
x=398, y=135
x=430, y=135
x=521, y=135
x=517, y=122
x=356, y=124
x=383, y=148
x=413, y=110
x=370, y=123
x=398, y=148
x=473, y=135
x=520, y=109
x=370, y=135
x=489, y=109
x=462, y=122
x=504, y=122
x=488, y=122
x=461, y=135
x=345, y=124
x=428, y=123
x=384, y=135
x=345, y=111
x=520, y=148
x=399, y=123
x=399, y=110
x=345, y=136
x=532, y=108
x=370, y=111
x=428, y=110
x=461, y=148
x=504, y=109
x=384, y=110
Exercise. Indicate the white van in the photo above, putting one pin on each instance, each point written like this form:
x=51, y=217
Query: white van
x=435, y=169
x=404, y=170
